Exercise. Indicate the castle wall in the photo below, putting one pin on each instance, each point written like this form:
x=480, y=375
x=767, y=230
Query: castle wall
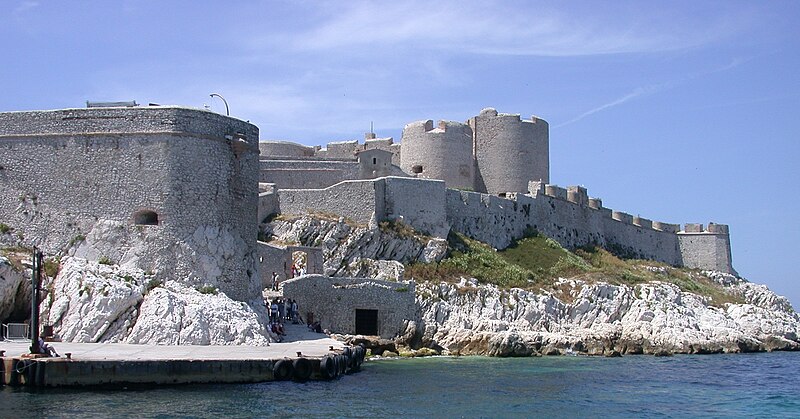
x=509, y=152
x=284, y=149
x=93, y=173
x=334, y=301
x=443, y=153
x=419, y=203
x=357, y=200
x=709, y=249
x=574, y=220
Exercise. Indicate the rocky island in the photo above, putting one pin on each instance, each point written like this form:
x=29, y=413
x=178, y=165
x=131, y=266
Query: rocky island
x=162, y=225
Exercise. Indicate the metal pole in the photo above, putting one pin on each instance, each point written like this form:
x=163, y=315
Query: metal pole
x=36, y=278
x=227, y=111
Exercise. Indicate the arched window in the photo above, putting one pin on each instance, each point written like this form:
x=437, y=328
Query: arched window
x=145, y=218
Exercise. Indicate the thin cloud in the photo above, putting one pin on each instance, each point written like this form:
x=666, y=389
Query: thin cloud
x=639, y=91
x=501, y=28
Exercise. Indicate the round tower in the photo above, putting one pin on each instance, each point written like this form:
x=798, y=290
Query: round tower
x=509, y=152
x=443, y=153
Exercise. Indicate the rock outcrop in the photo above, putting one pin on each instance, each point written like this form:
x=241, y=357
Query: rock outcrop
x=359, y=251
x=15, y=291
x=95, y=302
x=600, y=319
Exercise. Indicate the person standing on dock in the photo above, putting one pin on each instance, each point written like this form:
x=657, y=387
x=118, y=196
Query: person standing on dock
x=273, y=311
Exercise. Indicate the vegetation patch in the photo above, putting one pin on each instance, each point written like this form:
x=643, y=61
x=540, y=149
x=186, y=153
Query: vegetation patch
x=207, y=289
x=5, y=228
x=535, y=262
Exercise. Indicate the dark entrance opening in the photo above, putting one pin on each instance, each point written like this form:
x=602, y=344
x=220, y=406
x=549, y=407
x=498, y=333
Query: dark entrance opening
x=145, y=218
x=367, y=322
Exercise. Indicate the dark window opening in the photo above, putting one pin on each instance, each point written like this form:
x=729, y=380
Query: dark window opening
x=145, y=218
x=367, y=322
x=374, y=160
x=417, y=169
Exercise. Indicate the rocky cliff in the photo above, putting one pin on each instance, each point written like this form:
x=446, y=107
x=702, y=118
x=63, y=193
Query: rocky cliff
x=95, y=302
x=584, y=314
x=599, y=318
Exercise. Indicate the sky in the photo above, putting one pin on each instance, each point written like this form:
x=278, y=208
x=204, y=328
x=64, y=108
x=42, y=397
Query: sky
x=676, y=111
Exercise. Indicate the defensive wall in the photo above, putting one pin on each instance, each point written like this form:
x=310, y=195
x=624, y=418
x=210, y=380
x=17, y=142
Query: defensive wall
x=418, y=203
x=167, y=189
x=293, y=166
x=278, y=259
x=353, y=305
x=569, y=216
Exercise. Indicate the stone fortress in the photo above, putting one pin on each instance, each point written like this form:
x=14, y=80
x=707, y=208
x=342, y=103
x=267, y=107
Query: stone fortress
x=168, y=190
x=486, y=178
x=180, y=193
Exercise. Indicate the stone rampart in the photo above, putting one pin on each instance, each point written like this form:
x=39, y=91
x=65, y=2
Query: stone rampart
x=357, y=200
x=349, y=305
x=571, y=218
x=166, y=189
x=418, y=203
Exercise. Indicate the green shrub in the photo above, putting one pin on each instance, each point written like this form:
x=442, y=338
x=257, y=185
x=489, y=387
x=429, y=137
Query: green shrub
x=207, y=289
x=4, y=228
x=105, y=260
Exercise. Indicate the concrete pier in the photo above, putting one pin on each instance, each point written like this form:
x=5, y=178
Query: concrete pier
x=120, y=364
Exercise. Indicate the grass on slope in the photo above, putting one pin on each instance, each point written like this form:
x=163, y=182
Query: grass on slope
x=535, y=262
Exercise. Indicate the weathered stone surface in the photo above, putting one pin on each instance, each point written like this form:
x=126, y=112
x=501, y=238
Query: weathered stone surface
x=351, y=250
x=177, y=315
x=93, y=302
x=15, y=291
x=602, y=319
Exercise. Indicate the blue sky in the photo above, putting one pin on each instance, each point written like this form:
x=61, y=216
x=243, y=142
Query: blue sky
x=677, y=111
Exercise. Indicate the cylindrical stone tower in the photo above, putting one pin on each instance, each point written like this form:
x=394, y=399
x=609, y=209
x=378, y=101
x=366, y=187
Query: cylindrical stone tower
x=443, y=153
x=509, y=152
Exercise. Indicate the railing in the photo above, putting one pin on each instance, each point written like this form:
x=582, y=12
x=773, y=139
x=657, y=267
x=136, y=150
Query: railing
x=16, y=331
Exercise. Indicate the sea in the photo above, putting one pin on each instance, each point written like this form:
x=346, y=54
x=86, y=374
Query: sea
x=762, y=385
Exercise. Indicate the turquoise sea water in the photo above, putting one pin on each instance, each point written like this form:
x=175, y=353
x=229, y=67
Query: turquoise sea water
x=746, y=385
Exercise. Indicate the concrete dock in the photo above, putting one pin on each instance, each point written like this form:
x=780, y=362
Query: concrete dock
x=306, y=356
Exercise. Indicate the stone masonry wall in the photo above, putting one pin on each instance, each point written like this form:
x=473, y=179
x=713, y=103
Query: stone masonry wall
x=334, y=301
x=358, y=200
x=574, y=220
x=76, y=174
x=443, y=153
x=509, y=152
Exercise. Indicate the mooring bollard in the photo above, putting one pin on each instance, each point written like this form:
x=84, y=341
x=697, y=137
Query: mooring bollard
x=69, y=355
x=299, y=353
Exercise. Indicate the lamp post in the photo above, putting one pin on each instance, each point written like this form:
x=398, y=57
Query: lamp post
x=227, y=110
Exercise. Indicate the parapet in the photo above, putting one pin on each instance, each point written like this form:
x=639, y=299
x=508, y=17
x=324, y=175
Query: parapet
x=711, y=229
x=595, y=203
x=642, y=222
x=127, y=120
x=666, y=227
x=578, y=195
x=622, y=217
x=270, y=149
x=693, y=228
x=555, y=191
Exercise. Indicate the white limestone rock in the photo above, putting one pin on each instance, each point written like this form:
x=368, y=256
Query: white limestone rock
x=174, y=314
x=345, y=245
x=15, y=289
x=599, y=319
x=93, y=302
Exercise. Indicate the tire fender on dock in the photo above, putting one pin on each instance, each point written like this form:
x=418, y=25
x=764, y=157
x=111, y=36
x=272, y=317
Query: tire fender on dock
x=282, y=370
x=327, y=367
x=302, y=369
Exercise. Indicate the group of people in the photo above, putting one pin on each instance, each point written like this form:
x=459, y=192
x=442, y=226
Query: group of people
x=279, y=311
